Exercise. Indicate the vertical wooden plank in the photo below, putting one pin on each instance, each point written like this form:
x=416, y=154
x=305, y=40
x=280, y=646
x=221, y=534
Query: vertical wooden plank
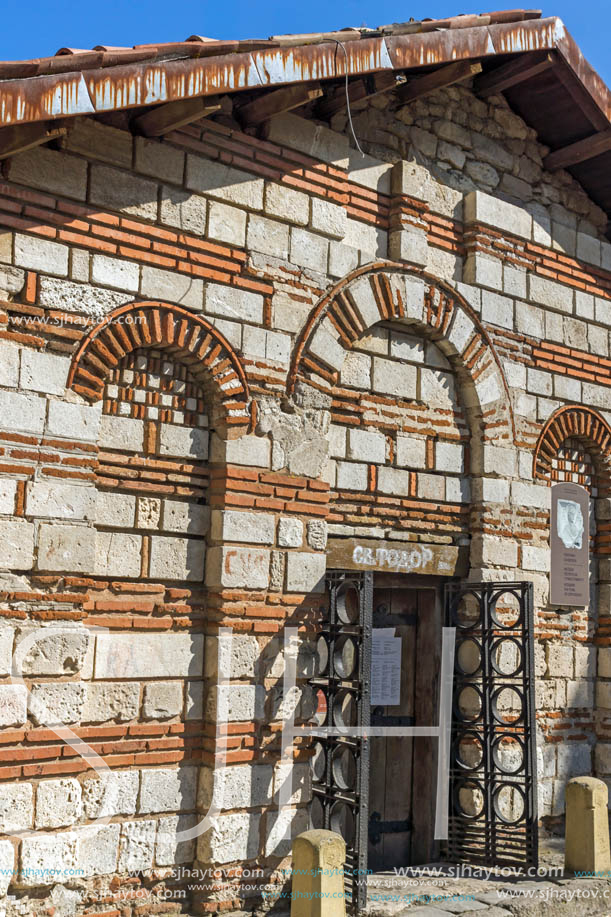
x=377, y=762
x=428, y=657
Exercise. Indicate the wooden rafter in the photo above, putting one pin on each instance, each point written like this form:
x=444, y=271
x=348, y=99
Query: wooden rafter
x=358, y=91
x=437, y=79
x=24, y=137
x=275, y=103
x=580, y=151
x=512, y=74
x=165, y=118
x=580, y=95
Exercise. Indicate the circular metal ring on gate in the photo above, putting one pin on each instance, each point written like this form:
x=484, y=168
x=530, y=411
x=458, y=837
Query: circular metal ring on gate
x=468, y=703
x=469, y=799
x=347, y=602
x=466, y=611
x=508, y=753
x=317, y=813
x=343, y=768
x=509, y=803
x=468, y=656
x=318, y=763
x=344, y=710
x=506, y=609
x=345, y=657
x=501, y=654
x=468, y=750
x=322, y=656
x=506, y=700
x=341, y=820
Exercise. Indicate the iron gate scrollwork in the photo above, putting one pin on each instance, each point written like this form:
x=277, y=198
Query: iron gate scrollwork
x=340, y=764
x=493, y=794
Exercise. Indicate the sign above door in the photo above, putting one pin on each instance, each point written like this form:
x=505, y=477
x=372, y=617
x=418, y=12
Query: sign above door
x=397, y=557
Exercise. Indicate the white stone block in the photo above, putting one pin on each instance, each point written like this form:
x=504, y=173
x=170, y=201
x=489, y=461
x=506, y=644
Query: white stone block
x=236, y=786
x=549, y=293
x=60, y=649
x=449, y=457
x=305, y=572
x=185, y=516
x=58, y=803
x=105, y=702
x=123, y=433
x=116, y=510
x=492, y=549
x=499, y=460
x=162, y=700
x=248, y=528
x=283, y=826
x=342, y=259
x=16, y=809
x=137, y=845
x=483, y=271
x=309, y=250
x=392, y=378
x=337, y=441
x=430, y=487
x=218, y=180
x=143, y=655
x=233, y=656
x=231, y=838
x=352, y=476
x=534, y=495
x=194, y=706
x=226, y=223
x=458, y=490
x=111, y=793
x=231, y=302
x=437, y=389
x=497, y=309
x=22, y=413
x=9, y=364
x=176, y=558
x=183, y=442
x=534, y=558
x=236, y=568
x=328, y=218
x=394, y=481
x=123, y=191
x=7, y=639
x=356, y=370
x=97, y=849
x=50, y=170
x=491, y=490
x=484, y=208
x=366, y=446
x=168, y=849
x=53, y=704
x=171, y=286
x=74, y=421
x=115, y=272
x=70, y=548
x=270, y=237
x=38, y=254
x=287, y=203
x=410, y=451
x=16, y=544
x=292, y=783
x=236, y=703
x=310, y=138
x=248, y=450
x=406, y=347
x=370, y=241
x=43, y=372
x=410, y=245
x=154, y=157
x=326, y=346
x=60, y=501
x=45, y=857
x=167, y=789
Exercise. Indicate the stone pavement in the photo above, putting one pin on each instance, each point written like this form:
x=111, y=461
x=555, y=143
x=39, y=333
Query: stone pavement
x=441, y=892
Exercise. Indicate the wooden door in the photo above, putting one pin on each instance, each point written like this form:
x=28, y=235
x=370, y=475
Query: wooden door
x=403, y=769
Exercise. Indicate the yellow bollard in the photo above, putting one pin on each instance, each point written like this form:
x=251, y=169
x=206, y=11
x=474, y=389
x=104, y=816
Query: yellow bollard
x=318, y=875
x=587, y=826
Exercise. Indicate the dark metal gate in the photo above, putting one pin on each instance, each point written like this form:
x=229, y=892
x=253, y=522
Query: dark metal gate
x=493, y=794
x=341, y=760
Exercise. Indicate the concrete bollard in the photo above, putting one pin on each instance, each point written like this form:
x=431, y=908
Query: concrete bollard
x=587, y=826
x=318, y=875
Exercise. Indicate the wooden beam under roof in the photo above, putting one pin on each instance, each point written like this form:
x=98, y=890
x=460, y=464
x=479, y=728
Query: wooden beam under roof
x=24, y=137
x=580, y=151
x=444, y=76
x=358, y=91
x=580, y=95
x=276, y=102
x=512, y=74
x=169, y=117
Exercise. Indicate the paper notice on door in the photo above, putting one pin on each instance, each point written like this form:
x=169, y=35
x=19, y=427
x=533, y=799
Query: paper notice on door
x=385, y=667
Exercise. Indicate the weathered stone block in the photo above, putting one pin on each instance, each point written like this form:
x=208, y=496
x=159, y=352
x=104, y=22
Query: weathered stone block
x=97, y=849
x=231, y=838
x=123, y=433
x=352, y=476
x=236, y=786
x=105, y=702
x=185, y=517
x=292, y=783
x=123, y=191
x=230, y=302
x=409, y=245
x=485, y=208
x=74, y=421
x=137, y=845
x=159, y=159
x=392, y=378
x=115, y=272
x=268, y=236
x=290, y=532
x=236, y=703
x=305, y=572
x=16, y=544
x=16, y=807
x=410, y=451
x=325, y=345
x=449, y=457
x=116, y=510
x=9, y=364
x=50, y=170
x=54, y=704
x=366, y=446
x=394, y=481
x=167, y=789
x=239, y=656
x=169, y=285
x=177, y=558
x=60, y=649
x=22, y=413
x=328, y=218
x=283, y=825
x=218, y=180
x=184, y=442
x=168, y=849
x=44, y=856
x=109, y=794
x=183, y=210
x=559, y=661
x=430, y=486
x=162, y=700
x=233, y=567
x=309, y=250
x=313, y=139
x=43, y=372
x=60, y=501
x=69, y=548
x=173, y=655
x=58, y=803
x=287, y=203
x=249, y=528
x=317, y=534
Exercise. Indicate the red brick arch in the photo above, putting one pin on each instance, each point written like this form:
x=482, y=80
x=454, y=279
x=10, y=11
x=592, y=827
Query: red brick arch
x=574, y=421
x=198, y=344
x=384, y=291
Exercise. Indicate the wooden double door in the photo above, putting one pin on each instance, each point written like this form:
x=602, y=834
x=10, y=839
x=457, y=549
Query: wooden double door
x=403, y=769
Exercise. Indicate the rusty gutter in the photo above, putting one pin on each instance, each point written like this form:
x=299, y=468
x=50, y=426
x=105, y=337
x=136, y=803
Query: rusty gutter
x=133, y=83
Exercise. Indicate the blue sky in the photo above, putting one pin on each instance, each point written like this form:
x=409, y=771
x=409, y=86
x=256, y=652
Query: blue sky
x=38, y=28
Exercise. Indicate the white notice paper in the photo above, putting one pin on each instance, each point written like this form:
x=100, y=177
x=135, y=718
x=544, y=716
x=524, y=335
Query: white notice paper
x=385, y=667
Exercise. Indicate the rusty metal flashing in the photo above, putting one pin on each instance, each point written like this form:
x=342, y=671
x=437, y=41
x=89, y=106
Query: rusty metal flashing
x=115, y=79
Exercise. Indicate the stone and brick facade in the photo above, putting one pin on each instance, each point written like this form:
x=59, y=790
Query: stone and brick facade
x=218, y=350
